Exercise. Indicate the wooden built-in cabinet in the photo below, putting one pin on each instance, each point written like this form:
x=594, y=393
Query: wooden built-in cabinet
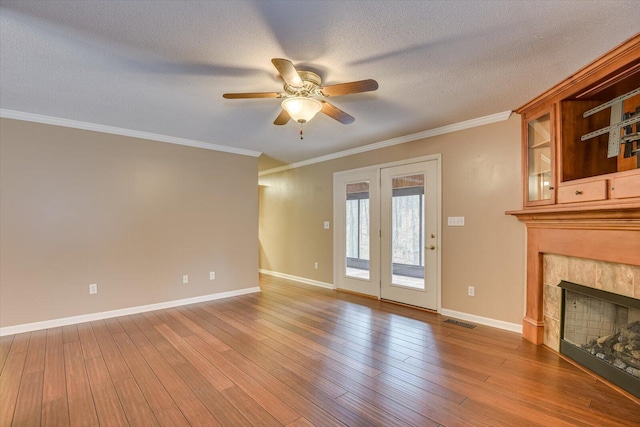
x=563, y=167
x=580, y=198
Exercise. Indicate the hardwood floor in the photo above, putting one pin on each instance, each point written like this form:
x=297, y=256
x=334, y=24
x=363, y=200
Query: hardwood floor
x=294, y=355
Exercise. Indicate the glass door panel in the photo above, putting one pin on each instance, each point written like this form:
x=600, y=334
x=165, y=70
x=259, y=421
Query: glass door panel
x=407, y=231
x=539, y=158
x=357, y=236
x=356, y=207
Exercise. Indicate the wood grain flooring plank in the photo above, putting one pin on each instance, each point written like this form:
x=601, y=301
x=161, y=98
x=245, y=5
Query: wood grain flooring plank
x=135, y=406
x=105, y=398
x=81, y=408
x=225, y=413
x=226, y=332
x=113, y=358
x=239, y=326
x=152, y=318
x=28, y=409
x=70, y=334
x=288, y=358
x=114, y=326
x=297, y=321
x=156, y=339
x=331, y=406
x=211, y=340
x=192, y=409
x=173, y=323
x=369, y=389
x=34, y=362
x=55, y=409
x=250, y=410
x=311, y=410
x=315, y=347
x=20, y=343
x=381, y=417
x=90, y=347
x=5, y=346
x=208, y=370
x=154, y=392
x=10, y=383
x=364, y=346
x=301, y=422
x=264, y=397
x=243, y=343
x=132, y=329
x=55, y=413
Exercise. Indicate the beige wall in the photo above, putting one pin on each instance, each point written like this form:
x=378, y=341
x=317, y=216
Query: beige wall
x=481, y=180
x=133, y=216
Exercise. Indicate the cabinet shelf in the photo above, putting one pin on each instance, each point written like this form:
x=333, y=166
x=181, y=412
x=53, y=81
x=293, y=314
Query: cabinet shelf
x=542, y=144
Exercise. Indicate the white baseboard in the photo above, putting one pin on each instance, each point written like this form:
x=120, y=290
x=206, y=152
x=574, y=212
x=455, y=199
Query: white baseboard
x=28, y=327
x=297, y=279
x=513, y=327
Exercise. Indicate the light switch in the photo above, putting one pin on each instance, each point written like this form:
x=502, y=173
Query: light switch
x=455, y=221
x=326, y=225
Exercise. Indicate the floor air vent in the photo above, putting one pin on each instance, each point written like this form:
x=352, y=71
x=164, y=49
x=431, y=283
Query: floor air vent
x=459, y=323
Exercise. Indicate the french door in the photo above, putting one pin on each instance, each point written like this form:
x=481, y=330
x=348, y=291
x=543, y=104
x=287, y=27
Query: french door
x=387, y=232
x=409, y=225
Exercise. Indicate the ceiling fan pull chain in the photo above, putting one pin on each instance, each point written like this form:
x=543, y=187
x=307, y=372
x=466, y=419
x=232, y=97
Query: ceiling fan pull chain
x=301, y=131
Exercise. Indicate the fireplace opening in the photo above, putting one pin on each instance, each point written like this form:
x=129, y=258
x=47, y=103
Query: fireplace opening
x=601, y=331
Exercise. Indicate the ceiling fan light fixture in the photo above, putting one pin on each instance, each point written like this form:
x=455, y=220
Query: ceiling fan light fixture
x=301, y=109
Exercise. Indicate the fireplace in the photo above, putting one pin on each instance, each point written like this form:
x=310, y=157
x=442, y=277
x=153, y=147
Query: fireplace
x=601, y=331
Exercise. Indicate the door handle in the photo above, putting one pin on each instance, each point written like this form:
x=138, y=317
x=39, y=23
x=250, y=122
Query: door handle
x=431, y=247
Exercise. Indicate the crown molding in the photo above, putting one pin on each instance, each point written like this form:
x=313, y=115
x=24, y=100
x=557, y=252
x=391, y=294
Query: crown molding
x=485, y=120
x=75, y=124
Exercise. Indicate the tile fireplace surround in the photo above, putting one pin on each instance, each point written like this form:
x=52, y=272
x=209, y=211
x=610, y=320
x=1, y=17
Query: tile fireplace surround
x=621, y=279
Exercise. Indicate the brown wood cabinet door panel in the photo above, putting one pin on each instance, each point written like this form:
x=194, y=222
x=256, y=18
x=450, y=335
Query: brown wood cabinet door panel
x=585, y=192
x=625, y=187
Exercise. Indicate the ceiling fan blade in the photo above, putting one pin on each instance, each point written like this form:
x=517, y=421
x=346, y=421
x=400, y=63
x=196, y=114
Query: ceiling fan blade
x=336, y=113
x=252, y=95
x=282, y=119
x=351, y=87
x=288, y=72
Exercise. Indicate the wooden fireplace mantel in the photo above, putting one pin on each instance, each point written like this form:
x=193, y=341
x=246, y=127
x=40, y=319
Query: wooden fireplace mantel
x=610, y=241
x=611, y=235
x=611, y=217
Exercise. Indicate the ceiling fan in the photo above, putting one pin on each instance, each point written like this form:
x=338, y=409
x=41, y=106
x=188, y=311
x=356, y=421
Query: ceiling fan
x=304, y=95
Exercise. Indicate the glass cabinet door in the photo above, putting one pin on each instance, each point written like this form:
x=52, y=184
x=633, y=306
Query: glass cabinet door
x=540, y=184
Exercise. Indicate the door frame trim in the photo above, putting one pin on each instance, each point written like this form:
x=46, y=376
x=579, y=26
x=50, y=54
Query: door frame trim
x=336, y=241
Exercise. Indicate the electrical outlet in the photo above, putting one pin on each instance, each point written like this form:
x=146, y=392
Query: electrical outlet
x=316, y=265
x=93, y=288
x=212, y=275
x=185, y=278
x=327, y=224
x=455, y=221
x=471, y=291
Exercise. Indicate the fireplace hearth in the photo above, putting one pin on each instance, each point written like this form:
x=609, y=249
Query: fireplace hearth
x=601, y=331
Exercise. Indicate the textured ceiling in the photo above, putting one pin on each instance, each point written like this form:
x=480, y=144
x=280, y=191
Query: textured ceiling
x=162, y=66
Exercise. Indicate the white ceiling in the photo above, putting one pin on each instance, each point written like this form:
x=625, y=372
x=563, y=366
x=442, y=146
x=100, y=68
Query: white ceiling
x=162, y=66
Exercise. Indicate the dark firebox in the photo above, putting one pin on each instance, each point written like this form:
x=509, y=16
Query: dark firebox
x=601, y=331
